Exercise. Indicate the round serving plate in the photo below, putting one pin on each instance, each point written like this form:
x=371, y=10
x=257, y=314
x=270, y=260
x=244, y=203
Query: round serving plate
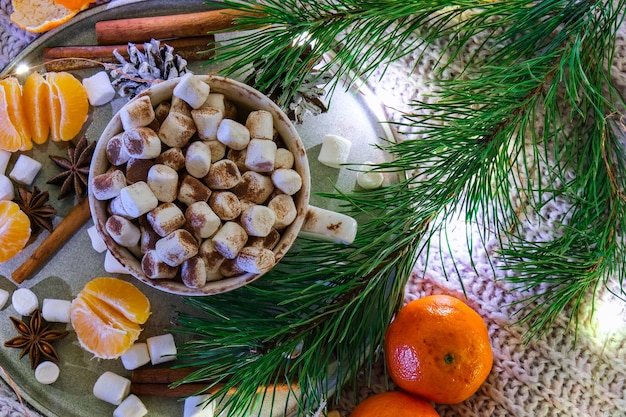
x=353, y=114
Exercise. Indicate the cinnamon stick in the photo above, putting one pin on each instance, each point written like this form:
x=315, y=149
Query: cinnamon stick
x=64, y=230
x=64, y=58
x=186, y=390
x=143, y=29
x=159, y=375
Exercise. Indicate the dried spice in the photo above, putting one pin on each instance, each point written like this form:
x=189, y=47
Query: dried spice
x=35, y=339
x=74, y=177
x=34, y=205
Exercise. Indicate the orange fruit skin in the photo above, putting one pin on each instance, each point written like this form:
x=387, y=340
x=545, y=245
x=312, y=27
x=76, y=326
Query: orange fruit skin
x=38, y=16
x=107, y=314
x=14, y=230
x=394, y=404
x=75, y=4
x=438, y=348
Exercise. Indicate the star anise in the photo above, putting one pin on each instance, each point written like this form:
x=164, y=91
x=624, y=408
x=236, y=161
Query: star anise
x=76, y=169
x=35, y=339
x=34, y=205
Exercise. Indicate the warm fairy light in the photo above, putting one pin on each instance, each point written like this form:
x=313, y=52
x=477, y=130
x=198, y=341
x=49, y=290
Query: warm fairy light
x=609, y=316
x=22, y=68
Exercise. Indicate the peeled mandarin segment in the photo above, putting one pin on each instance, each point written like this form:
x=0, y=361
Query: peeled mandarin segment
x=69, y=105
x=36, y=98
x=122, y=296
x=38, y=16
x=10, y=138
x=14, y=230
x=17, y=111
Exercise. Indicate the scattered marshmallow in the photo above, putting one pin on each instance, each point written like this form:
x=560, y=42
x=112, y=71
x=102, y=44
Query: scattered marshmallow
x=5, y=156
x=199, y=406
x=97, y=243
x=137, y=113
x=163, y=181
x=112, y=265
x=233, y=134
x=177, y=247
x=193, y=90
x=138, y=199
x=108, y=185
x=55, y=310
x=165, y=218
x=230, y=239
x=260, y=124
x=317, y=223
x=99, y=88
x=4, y=297
x=335, y=151
x=207, y=120
x=198, y=159
x=132, y=406
x=136, y=356
x=287, y=180
x=162, y=348
x=111, y=387
x=47, y=372
x=25, y=170
x=7, y=192
x=369, y=179
x=142, y=143
x=24, y=301
x=260, y=155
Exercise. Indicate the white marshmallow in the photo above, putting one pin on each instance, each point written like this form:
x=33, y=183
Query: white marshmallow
x=225, y=204
x=7, y=192
x=284, y=209
x=202, y=219
x=287, y=180
x=193, y=90
x=369, y=179
x=258, y=220
x=238, y=157
x=116, y=151
x=163, y=181
x=283, y=159
x=97, y=243
x=4, y=297
x=193, y=272
x=137, y=170
x=99, y=88
x=132, y=406
x=207, y=120
x=260, y=124
x=162, y=110
x=166, y=218
x=191, y=190
x=155, y=268
x=178, y=105
x=198, y=159
x=212, y=258
x=343, y=230
x=138, y=199
x=24, y=301
x=162, y=348
x=260, y=155
x=176, y=130
x=47, y=372
x=335, y=151
x=142, y=143
x=123, y=231
x=111, y=387
x=233, y=134
x=223, y=175
x=230, y=239
x=218, y=149
x=108, y=185
x=55, y=310
x=136, y=356
x=256, y=260
x=112, y=265
x=173, y=158
x=116, y=207
x=254, y=187
x=5, y=156
x=136, y=113
x=216, y=100
x=267, y=242
x=177, y=247
x=199, y=406
x=25, y=170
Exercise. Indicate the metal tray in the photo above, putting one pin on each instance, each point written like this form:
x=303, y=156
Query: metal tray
x=354, y=114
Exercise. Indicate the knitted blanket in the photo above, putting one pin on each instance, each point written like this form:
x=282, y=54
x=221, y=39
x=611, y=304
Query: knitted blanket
x=563, y=373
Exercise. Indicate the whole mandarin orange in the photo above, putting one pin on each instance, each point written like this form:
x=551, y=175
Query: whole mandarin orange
x=394, y=404
x=438, y=348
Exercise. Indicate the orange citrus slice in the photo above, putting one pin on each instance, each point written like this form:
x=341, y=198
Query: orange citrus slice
x=69, y=105
x=107, y=314
x=10, y=137
x=36, y=98
x=40, y=15
x=16, y=112
x=14, y=230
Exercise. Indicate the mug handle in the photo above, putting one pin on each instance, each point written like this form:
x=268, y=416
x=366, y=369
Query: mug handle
x=328, y=225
